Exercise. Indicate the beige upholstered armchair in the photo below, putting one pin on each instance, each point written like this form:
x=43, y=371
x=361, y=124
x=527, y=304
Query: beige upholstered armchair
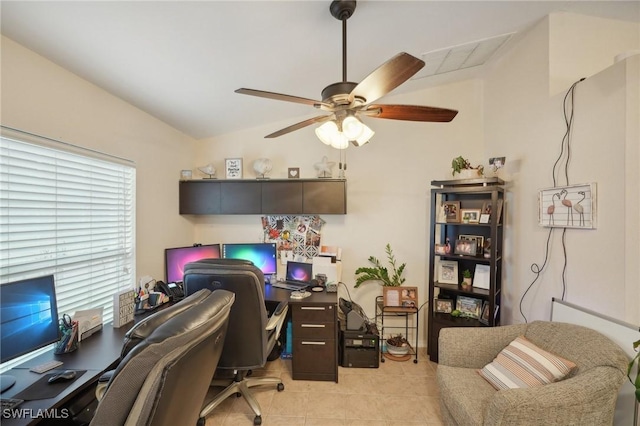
x=586, y=397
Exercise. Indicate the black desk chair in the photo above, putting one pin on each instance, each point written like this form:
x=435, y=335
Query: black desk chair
x=156, y=382
x=252, y=333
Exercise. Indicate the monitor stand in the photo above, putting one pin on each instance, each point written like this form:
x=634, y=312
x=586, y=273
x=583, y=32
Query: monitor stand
x=6, y=381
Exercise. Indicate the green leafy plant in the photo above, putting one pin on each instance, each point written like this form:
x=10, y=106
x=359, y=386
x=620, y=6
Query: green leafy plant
x=381, y=273
x=466, y=273
x=460, y=163
x=636, y=361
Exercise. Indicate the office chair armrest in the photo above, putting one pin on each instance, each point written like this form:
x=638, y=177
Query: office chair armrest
x=277, y=317
x=103, y=382
x=281, y=307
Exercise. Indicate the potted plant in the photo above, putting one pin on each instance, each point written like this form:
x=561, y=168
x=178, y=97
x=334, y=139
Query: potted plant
x=463, y=167
x=381, y=273
x=635, y=361
x=397, y=345
x=466, y=279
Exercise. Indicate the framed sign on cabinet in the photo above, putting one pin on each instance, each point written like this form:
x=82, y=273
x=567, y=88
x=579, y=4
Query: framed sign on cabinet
x=233, y=168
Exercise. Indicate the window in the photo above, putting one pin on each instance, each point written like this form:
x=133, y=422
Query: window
x=70, y=212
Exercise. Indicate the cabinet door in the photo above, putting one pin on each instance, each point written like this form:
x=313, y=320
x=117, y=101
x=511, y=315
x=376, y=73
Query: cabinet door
x=240, y=198
x=282, y=197
x=199, y=197
x=324, y=197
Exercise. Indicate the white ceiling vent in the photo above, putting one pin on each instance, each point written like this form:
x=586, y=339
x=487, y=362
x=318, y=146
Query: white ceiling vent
x=462, y=56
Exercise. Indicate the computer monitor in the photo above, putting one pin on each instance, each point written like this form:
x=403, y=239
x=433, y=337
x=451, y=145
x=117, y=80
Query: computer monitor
x=263, y=255
x=175, y=259
x=28, y=319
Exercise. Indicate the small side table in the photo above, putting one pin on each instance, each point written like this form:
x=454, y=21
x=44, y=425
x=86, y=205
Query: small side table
x=394, y=311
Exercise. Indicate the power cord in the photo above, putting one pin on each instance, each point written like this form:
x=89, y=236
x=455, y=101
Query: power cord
x=568, y=110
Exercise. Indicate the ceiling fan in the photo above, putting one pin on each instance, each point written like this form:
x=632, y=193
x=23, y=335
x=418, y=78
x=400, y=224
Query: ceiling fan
x=346, y=101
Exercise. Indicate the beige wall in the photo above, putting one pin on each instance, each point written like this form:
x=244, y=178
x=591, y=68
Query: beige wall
x=42, y=98
x=526, y=123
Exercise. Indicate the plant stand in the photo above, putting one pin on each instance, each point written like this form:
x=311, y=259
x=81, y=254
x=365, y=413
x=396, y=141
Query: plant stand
x=406, y=313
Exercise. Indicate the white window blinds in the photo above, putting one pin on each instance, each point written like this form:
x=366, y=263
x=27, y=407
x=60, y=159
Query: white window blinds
x=67, y=214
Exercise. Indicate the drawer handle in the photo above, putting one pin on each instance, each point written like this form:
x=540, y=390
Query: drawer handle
x=312, y=325
x=313, y=343
x=312, y=308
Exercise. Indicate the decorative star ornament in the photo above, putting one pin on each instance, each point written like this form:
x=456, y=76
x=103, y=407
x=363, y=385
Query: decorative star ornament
x=324, y=167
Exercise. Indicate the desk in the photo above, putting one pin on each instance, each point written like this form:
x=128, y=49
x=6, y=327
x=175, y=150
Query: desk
x=96, y=354
x=315, y=333
x=101, y=352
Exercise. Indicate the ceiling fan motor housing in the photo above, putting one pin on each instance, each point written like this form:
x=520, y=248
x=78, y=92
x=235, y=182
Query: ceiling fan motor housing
x=342, y=9
x=338, y=93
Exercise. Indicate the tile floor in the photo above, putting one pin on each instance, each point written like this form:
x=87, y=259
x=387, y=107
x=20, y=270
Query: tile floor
x=396, y=394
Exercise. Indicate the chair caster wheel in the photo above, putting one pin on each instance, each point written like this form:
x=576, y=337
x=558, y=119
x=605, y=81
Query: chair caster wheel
x=415, y=361
x=280, y=387
x=257, y=420
x=201, y=421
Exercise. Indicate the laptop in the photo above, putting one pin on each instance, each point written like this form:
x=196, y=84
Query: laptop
x=298, y=276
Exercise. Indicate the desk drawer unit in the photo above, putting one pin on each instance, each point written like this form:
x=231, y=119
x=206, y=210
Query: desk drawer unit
x=315, y=349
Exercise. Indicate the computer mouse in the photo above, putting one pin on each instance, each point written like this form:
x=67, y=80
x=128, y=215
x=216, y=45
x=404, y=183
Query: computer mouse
x=65, y=375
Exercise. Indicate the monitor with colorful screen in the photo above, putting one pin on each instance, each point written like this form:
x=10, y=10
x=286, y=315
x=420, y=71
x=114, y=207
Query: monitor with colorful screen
x=263, y=255
x=176, y=258
x=28, y=319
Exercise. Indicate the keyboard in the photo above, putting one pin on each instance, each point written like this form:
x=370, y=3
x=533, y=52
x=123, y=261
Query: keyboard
x=9, y=403
x=290, y=286
x=50, y=365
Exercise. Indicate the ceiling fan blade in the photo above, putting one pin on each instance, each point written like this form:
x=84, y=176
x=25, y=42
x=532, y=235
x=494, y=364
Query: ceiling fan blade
x=387, y=77
x=300, y=125
x=281, y=97
x=410, y=113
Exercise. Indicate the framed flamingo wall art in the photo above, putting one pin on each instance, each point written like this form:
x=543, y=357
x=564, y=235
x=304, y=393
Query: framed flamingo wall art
x=568, y=206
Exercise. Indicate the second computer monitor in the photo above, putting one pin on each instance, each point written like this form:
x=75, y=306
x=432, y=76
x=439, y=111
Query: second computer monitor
x=263, y=255
x=176, y=258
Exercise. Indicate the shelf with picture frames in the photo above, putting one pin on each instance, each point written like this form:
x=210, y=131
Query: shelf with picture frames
x=466, y=238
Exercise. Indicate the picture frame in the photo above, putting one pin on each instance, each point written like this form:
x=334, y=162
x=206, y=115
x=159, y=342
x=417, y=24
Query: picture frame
x=489, y=210
x=448, y=272
x=451, y=211
x=484, y=315
x=481, y=276
x=391, y=296
x=484, y=218
x=409, y=297
x=470, y=215
x=233, y=168
x=440, y=249
x=469, y=306
x=568, y=206
x=293, y=172
x=479, y=239
x=186, y=174
x=466, y=247
x=444, y=306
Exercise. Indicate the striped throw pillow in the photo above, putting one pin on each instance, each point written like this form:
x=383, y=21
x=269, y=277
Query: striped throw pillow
x=523, y=365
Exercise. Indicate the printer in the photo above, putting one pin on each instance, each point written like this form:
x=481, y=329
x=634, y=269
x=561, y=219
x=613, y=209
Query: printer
x=359, y=340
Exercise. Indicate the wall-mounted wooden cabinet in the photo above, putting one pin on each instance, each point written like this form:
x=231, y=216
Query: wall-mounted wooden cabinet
x=273, y=196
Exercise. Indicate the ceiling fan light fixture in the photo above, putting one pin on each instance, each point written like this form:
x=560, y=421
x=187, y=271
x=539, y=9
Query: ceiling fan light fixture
x=340, y=141
x=365, y=137
x=327, y=132
x=352, y=127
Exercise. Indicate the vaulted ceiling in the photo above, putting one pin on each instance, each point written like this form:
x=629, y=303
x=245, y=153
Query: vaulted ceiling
x=181, y=61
